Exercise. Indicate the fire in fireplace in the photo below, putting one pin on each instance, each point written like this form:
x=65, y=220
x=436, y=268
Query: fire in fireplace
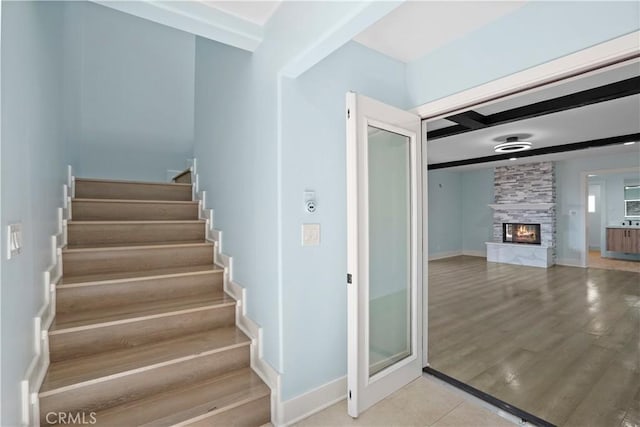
x=521, y=233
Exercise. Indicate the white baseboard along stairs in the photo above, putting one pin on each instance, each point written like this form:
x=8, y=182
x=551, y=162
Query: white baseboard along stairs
x=144, y=332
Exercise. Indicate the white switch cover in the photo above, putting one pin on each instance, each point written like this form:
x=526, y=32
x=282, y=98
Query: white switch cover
x=310, y=234
x=14, y=240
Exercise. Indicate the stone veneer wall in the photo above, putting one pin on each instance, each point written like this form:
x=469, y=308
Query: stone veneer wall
x=527, y=183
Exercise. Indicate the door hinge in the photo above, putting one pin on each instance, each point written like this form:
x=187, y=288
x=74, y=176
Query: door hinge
x=349, y=279
x=348, y=113
x=349, y=394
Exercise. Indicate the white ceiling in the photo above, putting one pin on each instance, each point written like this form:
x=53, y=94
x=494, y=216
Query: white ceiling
x=257, y=12
x=418, y=27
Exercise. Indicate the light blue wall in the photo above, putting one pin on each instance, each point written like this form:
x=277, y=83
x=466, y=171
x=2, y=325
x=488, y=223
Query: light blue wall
x=314, y=158
x=33, y=172
x=570, y=206
x=237, y=168
x=477, y=216
x=531, y=35
x=239, y=143
x=130, y=94
x=460, y=219
x=445, y=212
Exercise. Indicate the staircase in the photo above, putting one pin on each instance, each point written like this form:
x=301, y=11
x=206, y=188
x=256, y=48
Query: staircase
x=144, y=333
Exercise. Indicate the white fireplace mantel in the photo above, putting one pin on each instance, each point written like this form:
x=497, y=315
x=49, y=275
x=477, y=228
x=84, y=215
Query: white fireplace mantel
x=522, y=206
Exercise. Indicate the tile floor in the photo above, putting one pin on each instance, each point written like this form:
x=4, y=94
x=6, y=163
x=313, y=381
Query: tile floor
x=425, y=402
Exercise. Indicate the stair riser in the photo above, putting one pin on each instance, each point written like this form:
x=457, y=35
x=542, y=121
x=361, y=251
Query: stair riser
x=254, y=413
x=124, y=335
x=97, y=234
x=108, y=211
x=77, y=263
x=131, y=191
x=157, y=289
x=116, y=391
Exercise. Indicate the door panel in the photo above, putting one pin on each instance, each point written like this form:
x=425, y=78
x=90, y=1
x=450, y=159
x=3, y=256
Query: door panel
x=384, y=199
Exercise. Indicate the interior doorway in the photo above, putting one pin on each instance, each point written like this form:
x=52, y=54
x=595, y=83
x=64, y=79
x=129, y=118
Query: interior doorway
x=520, y=325
x=608, y=193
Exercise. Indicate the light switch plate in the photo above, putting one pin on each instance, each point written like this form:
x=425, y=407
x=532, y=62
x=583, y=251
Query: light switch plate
x=310, y=234
x=14, y=240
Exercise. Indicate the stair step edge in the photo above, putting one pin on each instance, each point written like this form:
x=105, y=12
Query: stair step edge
x=188, y=414
x=137, y=278
x=83, y=199
x=137, y=221
x=120, y=181
x=145, y=368
x=67, y=330
x=217, y=411
x=136, y=247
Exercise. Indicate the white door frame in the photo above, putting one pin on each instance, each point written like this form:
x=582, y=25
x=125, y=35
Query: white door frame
x=567, y=68
x=365, y=390
x=584, y=195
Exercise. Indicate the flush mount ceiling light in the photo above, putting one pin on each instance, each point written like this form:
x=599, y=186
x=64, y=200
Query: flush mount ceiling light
x=512, y=145
x=629, y=143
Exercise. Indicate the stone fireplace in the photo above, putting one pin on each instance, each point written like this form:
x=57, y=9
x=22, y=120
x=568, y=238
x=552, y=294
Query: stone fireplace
x=524, y=215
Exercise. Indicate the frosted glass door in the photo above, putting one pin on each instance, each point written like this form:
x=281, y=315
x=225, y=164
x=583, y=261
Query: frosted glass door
x=389, y=248
x=384, y=229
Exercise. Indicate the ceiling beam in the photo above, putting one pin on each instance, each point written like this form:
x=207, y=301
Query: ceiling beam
x=604, y=93
x=583, y=145
x=469, y=119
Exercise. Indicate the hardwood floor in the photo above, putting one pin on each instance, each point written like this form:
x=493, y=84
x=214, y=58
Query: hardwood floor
x=561, y=343
x=597, y=261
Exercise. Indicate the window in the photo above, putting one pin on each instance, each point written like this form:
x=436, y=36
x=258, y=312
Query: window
x=591, y=203
x=632, y=201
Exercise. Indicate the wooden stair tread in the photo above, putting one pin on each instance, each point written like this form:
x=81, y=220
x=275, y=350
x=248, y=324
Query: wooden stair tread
x=119, y=181
x=148, y=245
x=185, y=403
x=138, y=221
x=182, y=202
x=104, y=278
x=66, y=322
x=103, y=365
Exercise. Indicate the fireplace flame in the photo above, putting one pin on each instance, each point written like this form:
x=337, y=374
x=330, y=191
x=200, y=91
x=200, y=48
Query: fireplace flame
x=524, y=231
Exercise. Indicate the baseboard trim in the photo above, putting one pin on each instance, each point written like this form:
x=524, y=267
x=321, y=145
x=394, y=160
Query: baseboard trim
x=35, y=373
x=480, y=254
x=313, y=401
x=248, y=326
x=569, y=263
x=283, y=413
x=443, y=255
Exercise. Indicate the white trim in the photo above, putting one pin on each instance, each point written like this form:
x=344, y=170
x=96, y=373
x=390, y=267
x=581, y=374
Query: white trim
x=570, y=263
x=598, y=56
x=34, y=376
x=364, y=389
x=481, y=254
x=313, y=401
x=195, y=18
x=262, y=368
x=584, y=194
x=443, y=255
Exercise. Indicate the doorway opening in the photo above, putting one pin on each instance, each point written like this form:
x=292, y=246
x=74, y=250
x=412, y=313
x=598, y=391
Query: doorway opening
x=508, y=321
x=612, y=224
